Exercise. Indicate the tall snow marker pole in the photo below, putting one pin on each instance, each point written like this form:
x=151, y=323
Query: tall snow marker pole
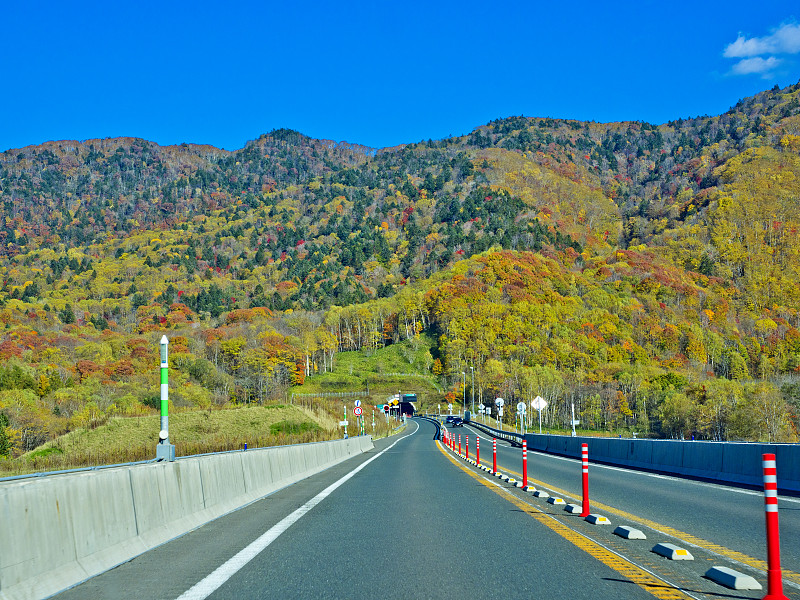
x=164, y=450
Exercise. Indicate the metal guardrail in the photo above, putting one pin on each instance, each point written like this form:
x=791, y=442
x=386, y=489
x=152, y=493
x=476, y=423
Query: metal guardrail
x=510, y=436
x=152, y=460
x=80, y=470
x=437, y=423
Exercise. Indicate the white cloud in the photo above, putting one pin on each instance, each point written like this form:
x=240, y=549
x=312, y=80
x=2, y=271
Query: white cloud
x=784, y=40
x=755, y=65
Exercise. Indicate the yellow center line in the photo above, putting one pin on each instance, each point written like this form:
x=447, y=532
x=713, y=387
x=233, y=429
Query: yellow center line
x=648, y=581
x=686, y=537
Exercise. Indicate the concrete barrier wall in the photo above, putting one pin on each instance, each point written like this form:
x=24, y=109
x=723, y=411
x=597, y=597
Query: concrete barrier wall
x=62, y=529
x=728, y=462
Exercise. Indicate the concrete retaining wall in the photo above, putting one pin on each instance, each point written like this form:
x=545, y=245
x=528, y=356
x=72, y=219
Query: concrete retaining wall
x=727, y=462
x=59, y=530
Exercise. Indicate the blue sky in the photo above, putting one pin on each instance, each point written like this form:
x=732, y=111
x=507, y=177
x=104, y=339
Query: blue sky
x=375, y=73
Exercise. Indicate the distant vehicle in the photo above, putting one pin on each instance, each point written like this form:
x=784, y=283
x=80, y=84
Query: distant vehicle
x=458, y=422
x=449, y=419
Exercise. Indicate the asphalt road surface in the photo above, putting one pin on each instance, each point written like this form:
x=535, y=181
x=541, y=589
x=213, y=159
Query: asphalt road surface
x=410, y=520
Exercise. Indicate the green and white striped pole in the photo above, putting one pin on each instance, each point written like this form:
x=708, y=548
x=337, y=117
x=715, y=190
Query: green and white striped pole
x=164, y=450
x=164, y=390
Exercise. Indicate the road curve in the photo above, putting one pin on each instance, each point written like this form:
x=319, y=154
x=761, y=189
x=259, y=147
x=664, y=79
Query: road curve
x=409, y=524
x=725, y=520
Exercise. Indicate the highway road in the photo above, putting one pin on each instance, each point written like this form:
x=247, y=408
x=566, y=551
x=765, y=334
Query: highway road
x=410, y=520
x=724, y=515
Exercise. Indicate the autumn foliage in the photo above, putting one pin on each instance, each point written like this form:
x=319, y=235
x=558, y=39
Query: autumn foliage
x=650, y=273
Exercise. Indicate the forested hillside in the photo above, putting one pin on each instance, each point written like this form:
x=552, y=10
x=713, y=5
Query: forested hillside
x=650, y=272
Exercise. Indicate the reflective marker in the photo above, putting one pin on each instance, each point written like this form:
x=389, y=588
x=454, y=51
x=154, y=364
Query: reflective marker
x=774, y=582
x=585, y=479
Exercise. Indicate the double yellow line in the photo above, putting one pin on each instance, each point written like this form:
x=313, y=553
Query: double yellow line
x=644, y=579
x=670, y=531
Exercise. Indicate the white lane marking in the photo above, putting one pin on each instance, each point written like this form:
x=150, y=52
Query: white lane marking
x=207, y=586
x=716, y=486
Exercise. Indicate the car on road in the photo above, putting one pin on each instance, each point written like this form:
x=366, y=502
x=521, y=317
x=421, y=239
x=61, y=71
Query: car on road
x=449, y=419
x=458, y=422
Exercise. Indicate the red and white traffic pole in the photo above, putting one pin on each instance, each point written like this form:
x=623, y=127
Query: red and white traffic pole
x=459, y=443
x=478, y=450
x=774, y=582
x=467, y=447
x=494, y=455
x=524, y=464
x=585, y=477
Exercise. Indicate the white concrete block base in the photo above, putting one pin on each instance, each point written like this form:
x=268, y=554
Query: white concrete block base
x=732, y=579
x=597, y=520
x=630, y=533
x=672, y=552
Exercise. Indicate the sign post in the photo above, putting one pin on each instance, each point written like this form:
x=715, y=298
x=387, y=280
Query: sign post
x=574, y=422
x=164, y=450
x=499, y=402
x=539, y=404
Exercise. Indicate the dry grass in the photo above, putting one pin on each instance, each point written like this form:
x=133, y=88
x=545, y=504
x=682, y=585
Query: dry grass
x=193, y=432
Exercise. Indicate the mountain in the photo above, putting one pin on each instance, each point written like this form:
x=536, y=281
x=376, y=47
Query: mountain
x=248, y=257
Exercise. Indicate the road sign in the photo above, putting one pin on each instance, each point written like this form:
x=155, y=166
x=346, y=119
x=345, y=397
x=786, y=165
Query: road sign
x=386, y=408
x=358, y=402
x=500, y=412
x=499, y=401
x=357, y=411
x=575, y=422
x=342, y=423
x=521, y=408
x=538, y=403
x=481, y=406
x=481, y=409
